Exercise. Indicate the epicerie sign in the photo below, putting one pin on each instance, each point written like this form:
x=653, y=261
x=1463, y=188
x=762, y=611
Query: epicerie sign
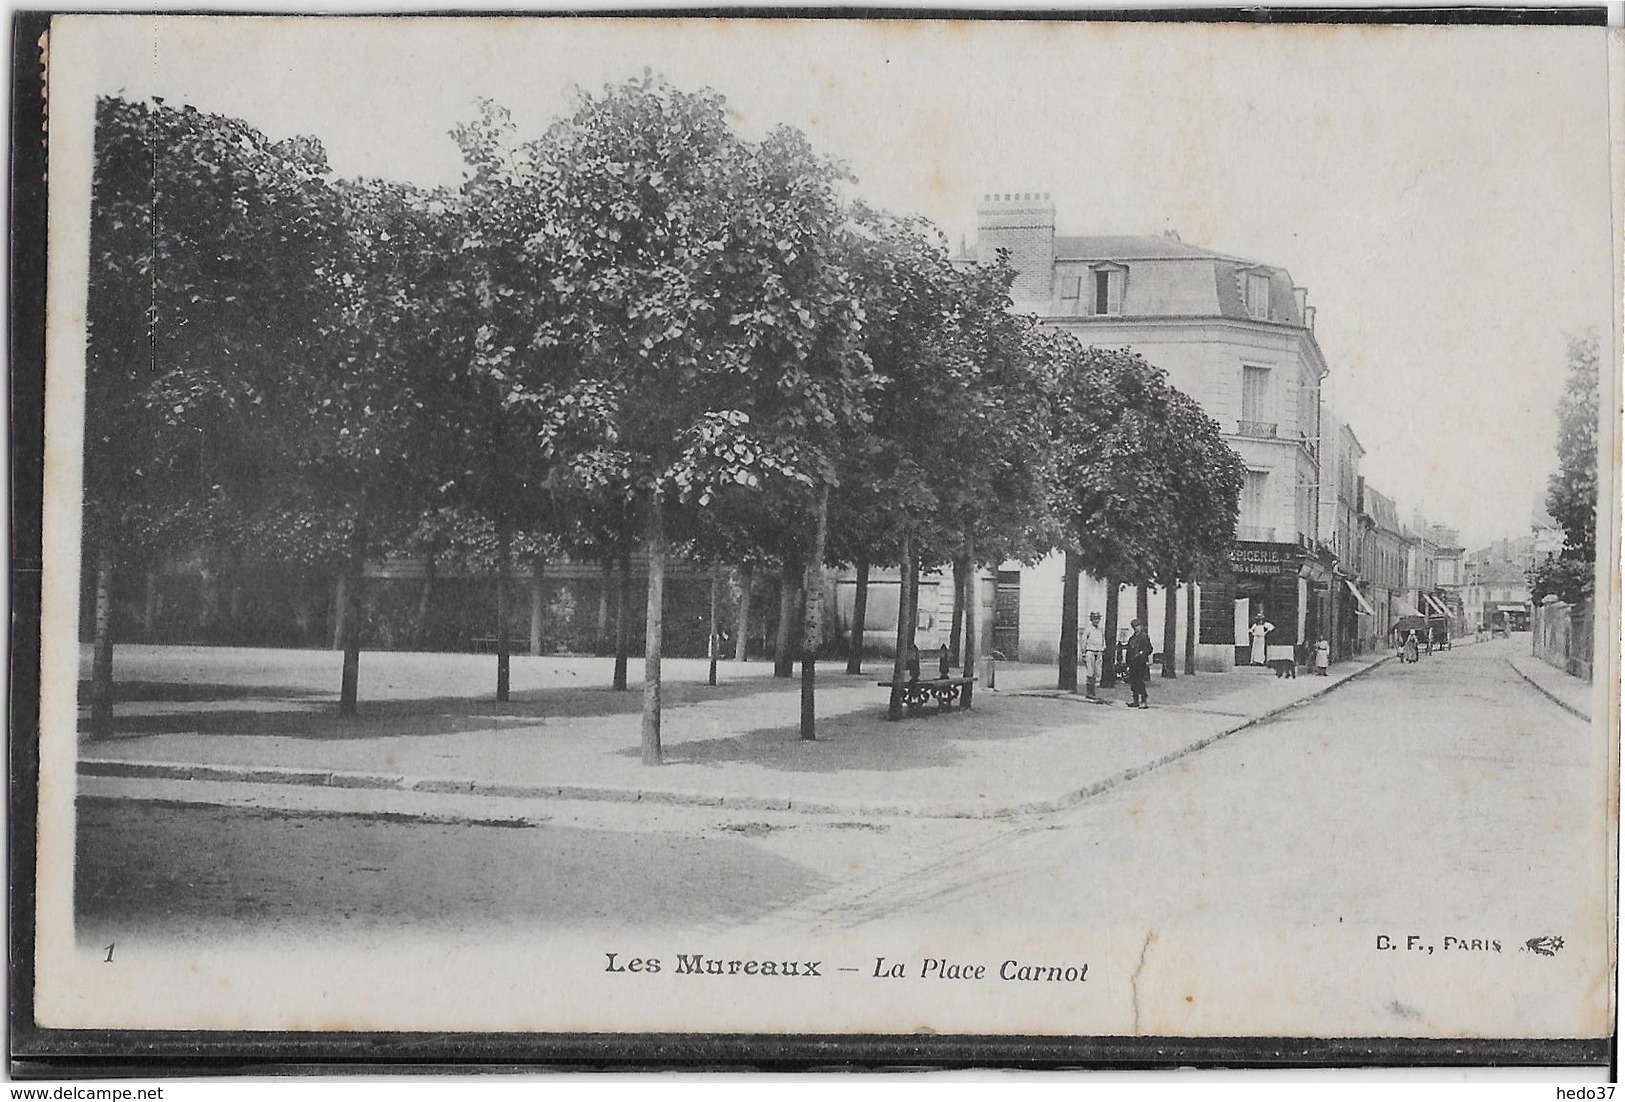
x=1261, y=560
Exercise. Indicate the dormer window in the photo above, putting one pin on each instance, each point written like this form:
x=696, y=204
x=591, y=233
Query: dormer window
x=1256, y=293
x=1105, y=289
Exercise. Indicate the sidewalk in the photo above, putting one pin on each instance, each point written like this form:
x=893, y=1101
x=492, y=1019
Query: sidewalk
x=1569, y=693
x=266, y=717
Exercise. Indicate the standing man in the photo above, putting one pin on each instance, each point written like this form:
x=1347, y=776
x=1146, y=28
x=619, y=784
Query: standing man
x=1138, y=658
x=1093, y=646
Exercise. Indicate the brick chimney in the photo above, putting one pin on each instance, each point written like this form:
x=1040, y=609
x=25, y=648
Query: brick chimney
x=1024, y=224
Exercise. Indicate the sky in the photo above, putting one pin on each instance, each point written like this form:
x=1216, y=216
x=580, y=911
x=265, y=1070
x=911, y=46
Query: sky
x=1443, y=193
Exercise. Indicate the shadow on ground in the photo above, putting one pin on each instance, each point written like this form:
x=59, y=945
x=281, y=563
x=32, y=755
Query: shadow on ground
x=866, y=740
x=187, y=692
x=296, y=713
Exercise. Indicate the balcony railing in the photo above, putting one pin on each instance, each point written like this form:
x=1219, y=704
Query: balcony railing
x=1264, y=430
x=1254, y=534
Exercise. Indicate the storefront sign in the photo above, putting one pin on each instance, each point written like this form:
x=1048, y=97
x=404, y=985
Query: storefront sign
x=1264, y=558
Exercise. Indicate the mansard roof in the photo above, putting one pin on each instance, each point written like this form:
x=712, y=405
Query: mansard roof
x=1168, y=277
x=1129, y=247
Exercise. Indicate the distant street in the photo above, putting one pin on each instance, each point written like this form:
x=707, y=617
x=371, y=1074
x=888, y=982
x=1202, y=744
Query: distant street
x=1448, y=790
x=1449, y=786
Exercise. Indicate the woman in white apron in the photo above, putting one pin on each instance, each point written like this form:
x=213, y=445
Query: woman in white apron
x=1259, y=632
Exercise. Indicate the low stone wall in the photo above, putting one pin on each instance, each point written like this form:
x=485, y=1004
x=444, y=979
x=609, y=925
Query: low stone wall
x=1563, y=637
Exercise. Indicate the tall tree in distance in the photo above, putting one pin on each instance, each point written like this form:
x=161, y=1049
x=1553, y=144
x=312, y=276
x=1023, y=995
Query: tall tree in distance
x=1571, y=493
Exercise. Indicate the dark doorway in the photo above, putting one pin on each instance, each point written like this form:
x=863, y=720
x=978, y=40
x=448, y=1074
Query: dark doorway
x=1007, y=614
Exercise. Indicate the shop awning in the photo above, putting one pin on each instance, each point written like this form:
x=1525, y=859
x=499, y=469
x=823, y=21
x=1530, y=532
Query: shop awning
x=1405, y=608
x=1438, y=605
x=1365, y=607
x=1510, y=608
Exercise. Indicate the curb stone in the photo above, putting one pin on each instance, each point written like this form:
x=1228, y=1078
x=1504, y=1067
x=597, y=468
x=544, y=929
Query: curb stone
x=1548, y=694
x=106, y=767
x=1072, y=798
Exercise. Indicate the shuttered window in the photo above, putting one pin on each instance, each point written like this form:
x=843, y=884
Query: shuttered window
x=1255, y=396
x=1106, y=290
x=1258, y=295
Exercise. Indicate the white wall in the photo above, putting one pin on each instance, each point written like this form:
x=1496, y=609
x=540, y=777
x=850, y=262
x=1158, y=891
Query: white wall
x=1041, y=587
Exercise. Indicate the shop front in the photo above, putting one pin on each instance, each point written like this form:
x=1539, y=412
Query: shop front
x=1289, y=586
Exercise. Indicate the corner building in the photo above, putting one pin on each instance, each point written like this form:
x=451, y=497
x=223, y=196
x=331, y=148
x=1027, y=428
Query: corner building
x=1238, y=336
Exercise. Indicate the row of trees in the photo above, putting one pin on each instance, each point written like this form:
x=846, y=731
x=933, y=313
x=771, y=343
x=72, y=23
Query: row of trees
x=636, y=332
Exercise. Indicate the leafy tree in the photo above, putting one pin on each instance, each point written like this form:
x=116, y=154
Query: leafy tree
x=1204, y=478
x=1001, y=499
x=897, y=465
x=1571, y=493
x=893, y=262
x=364, y=409
x=684, y=299
x=522, y=413
x=1145, y=487
x=204, y=238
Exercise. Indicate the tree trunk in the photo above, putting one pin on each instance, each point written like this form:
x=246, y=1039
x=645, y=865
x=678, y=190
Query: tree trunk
x=101, y=665
x=623, y=621
x=1190, y=628
x=913, y=603
x=713, y=646
x=209, y=614
x=350, y=616
x=905, y=631
x=1067, y=680
x=149, y=614
x=652, y=632
x=784, y=659
x=604, y=643
x=860, y=610
x=421, y=630
x=1142, y=605
x=302, y=617
x=504, y=549
x=812, y=620
x=746, y=581
x=1170, y=629
x=538, y=571
x=341, y=607
x=972, y=600
x=1108, y=672
x=961, y=568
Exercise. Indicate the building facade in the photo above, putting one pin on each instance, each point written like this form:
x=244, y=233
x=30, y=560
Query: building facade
x=1237, y=336
x=1388, y=562
x=1350, y=617
x=1495, y=594
x=1449, y=576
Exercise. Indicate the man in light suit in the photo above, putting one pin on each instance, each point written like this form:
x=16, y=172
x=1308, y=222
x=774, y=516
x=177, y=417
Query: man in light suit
x=1092, y=649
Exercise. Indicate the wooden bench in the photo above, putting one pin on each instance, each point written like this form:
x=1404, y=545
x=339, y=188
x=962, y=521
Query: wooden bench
x=917, y=694
x=945, y=689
